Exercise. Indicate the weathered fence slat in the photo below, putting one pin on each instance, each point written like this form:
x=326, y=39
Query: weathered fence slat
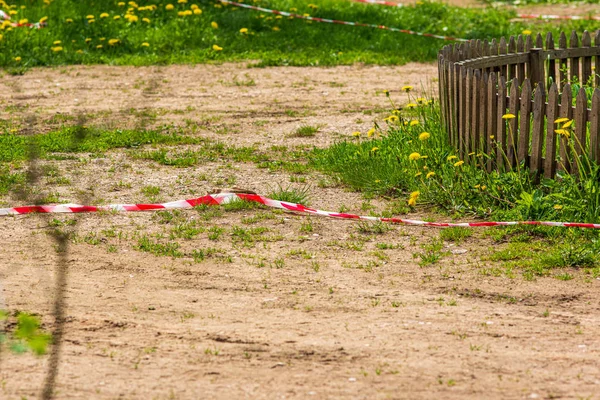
x=501, y=131
x=537, y=133
x=562, y=65
x=463, y=110
x=524, y=119
x=586, y=63
x=551, y=114
x=475, y=113
x=551, y=63
x=574, y=67
x=512, y=49
x=502, y=49
x=482, y=133
x=520, y=66
x=566, y=111
x=580, y=118
x=513, y=123
x=597, y=58
x=492, y=104
x=468, y=119
x=595, y=127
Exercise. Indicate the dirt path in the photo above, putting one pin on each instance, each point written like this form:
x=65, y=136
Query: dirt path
x=272, y=305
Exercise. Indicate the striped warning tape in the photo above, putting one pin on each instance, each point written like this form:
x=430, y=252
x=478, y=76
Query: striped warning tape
x=224, y=198
x=5, y=17
x=335, y=21
x=522, y=16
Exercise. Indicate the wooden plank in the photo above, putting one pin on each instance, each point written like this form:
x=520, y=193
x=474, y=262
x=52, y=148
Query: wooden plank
x=558, y=54
x=539, y=41
x=501, y=130
x=586, y=62
x=551, y=73
x=562, y=64
x=551, y=116
x=537, y=133
x=502, y=49
x=512, y=48
x=566, y=111
x=528, y=43
x=513, y=124
x=492, y=121
x=520, y=66
x=451, y=102
x=476, y=109
x=494, y=48
x=536, y=67
x=595, y=127
x=483, y=110
x=455, y=108
x=574, y=61
x=597, y=58
x=580, y=129
x=463, y=110
x=469, y=117
x=524, y=123
x=496, y=61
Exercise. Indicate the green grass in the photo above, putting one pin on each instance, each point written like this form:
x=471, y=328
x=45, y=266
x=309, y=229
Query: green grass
x=161, y=36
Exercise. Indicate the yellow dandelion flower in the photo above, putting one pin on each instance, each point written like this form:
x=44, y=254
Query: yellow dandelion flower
x=471, y=153
x=194, y=7
x=43, y=19
x=90, y=17
x=483, y=187
x=276, y=28
x=104, y=15
x=182, y=1
x=418, y=174
x=56, y=49
x=421, y=100
x=169, y=7
x=387, y=93
x=216, y=47
x=459, y=163
x=112, y=42
x=411, y=105
x=374, y=149
x=371, y=132
x=57, y=42
x=17, y=59
x=145, y=44
x=508, y=116
x=79, y=52
x=567, y=124
x=563, y=132
x=69, y=21
x=558, y=207
x=424, y=136
x=244, y=31
x=99, y=46
x=146, y=20
x=526, y=32
x=414, y=156
x=560, y=120
x=214, y=25
x=197, y=11
x=450, y=158
x=121, y=4
x=414, y=122
x=356, y=134
x=116, y=17
x=407, y=88
x=429, y=174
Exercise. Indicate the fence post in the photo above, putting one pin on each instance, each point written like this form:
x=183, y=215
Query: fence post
x=536, y=63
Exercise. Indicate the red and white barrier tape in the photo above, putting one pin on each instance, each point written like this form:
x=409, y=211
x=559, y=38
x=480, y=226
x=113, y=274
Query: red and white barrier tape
x=522, y=16
x=335, y=21
x=224, y=198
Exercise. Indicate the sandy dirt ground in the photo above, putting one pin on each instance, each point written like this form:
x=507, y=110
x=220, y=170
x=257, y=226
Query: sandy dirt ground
x=295, y=307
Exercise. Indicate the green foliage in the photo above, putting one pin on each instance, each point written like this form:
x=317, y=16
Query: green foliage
x=291, y=195
x=455, y=234
x=152, y=34
x=27, y=334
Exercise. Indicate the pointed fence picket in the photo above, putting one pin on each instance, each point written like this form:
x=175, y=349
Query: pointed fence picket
x=481, y=82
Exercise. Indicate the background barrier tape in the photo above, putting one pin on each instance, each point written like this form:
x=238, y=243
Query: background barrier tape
x=335, y=21
x=224, y=198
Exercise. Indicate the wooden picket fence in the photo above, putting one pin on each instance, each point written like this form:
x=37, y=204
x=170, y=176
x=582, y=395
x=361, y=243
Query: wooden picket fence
x=480, y=82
